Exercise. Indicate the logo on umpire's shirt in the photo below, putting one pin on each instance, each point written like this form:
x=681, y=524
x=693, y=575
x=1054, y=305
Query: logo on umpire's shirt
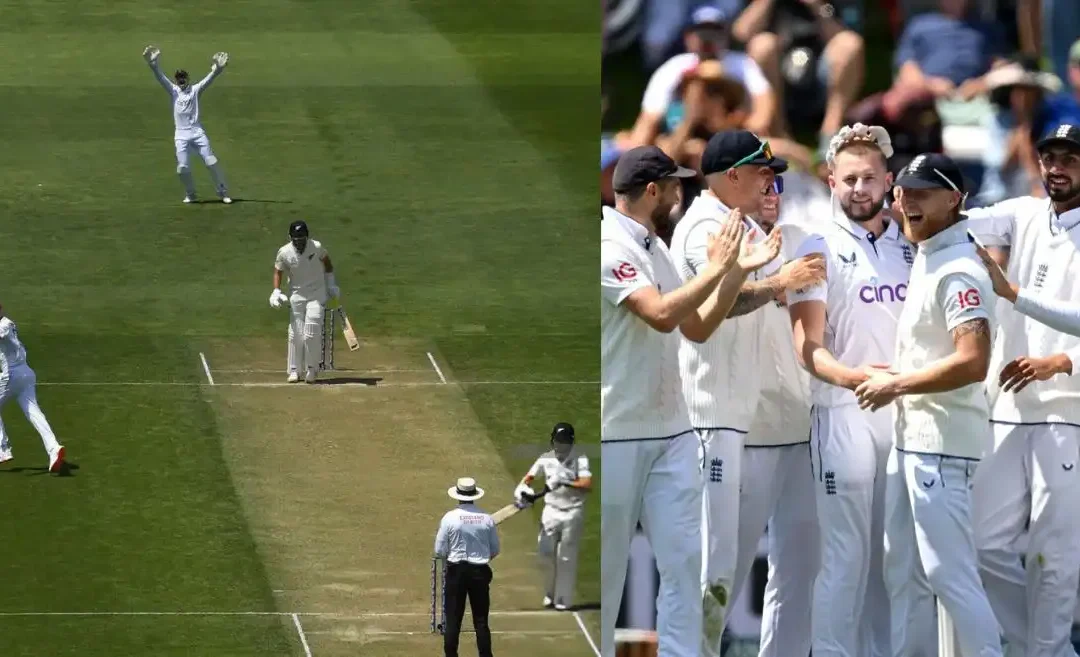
x=830, y=482
x=716, y=471
x=1040, y=275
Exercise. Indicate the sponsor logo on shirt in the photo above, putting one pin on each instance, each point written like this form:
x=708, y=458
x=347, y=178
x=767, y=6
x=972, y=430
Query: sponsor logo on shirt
x=848, y=261
x=625, y=272
x=969, y=298
x=883, y=293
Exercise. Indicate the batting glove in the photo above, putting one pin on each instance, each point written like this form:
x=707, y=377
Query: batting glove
x=221, y=59
x=524, y=493
x=277, y=297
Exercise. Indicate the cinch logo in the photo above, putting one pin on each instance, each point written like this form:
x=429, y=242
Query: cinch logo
x=883, y=293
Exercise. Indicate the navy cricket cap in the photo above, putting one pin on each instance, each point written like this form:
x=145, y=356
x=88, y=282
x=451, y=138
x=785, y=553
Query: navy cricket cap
x=298, y=229
x=643, y=165
x=735, y=148
x=563, y=432
x=1064, y=135
x=931, y=171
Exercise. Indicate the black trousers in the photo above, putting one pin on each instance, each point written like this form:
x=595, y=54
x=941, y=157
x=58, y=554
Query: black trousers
x=474, y=581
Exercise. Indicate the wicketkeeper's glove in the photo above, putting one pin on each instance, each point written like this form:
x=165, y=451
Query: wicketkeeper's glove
x=151, y=54
x=221, y=59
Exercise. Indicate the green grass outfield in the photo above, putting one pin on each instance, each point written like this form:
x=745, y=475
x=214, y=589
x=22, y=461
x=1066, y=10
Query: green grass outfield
x=445, y=152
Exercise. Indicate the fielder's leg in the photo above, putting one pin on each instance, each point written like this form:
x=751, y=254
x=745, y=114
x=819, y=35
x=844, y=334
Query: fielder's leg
x=911, y=601
x=1053, y=557
x=626, y=466
x=844, y=458
x=876, y=617
x=794, y=558
x=313, y=330
x=546, y=552
x=297, y=308
x=720, y=525
x=671, y=518
x=5, y=441
x=1001, y=502
x=183, y=169
x=27, y=398
x=567, y=554
x=202, y=142
x=940, y=503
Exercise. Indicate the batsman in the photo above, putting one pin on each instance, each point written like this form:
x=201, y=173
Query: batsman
x=567, y=480
x=311, y=287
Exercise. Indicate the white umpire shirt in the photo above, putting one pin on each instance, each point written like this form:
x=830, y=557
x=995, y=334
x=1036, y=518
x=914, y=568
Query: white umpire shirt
x=1044, y=259
x=721, y=376
x=640, y=389
x=864, y=290
x=307, y=274
x=949, y=286
x=575, y=466
x=467, y=534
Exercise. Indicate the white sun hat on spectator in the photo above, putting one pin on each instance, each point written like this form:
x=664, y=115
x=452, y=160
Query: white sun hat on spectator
x=860, y=132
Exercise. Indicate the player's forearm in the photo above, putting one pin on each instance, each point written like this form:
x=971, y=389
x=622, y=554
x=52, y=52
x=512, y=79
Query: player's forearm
x=756, y=294
x=752, y=20
x=700, y=326
x=950, y=373
x=277, y=279
x=1059, y=315
x=822, y=365
x=677, y=305
x=583, y=483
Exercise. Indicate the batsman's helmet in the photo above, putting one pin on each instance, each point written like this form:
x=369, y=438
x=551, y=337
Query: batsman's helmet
x=563, y=433
x=298, y=229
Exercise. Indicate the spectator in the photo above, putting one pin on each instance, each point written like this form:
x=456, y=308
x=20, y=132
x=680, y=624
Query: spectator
x=1018, y=92
x=817, y=50
x=663, y=21
x=1060, y=27
x=1065, y=107
x=706, y=39
x=711, y=103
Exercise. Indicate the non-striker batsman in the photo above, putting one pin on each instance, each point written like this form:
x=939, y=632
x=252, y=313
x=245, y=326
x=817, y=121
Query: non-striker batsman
x=311, y=286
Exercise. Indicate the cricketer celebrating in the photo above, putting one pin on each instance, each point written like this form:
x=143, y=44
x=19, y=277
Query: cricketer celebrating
x=942, y=419
x=841, y=328
x=189, y=135
x=719, y=363
x=311, y=286
x=1030, y=483
x=567, y=480
x=650, y=452
x=18, y=382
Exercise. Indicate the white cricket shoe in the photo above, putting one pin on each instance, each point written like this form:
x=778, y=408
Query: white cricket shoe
x=226, y=200
x=293, y=377
x=548, y=602
x=56, y=459
x=560, y=606
x=6, y=455
x=189, y=199
x=312, y=373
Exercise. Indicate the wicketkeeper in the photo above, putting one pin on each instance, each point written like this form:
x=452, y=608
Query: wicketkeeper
x=567, y=479
x=311, y=286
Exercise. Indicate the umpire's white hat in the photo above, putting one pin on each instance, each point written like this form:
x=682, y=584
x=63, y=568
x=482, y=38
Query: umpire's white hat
x=466, y=490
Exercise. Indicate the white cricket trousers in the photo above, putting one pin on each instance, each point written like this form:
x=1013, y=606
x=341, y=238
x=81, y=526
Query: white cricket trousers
x=849, y=448
x=657, y=483
x=1031, y=482
x=930, y=551
x=199, y=143
x=20, y=384
x=305, y=334
x=778, y=491
x=720, y=507
x=557, y=549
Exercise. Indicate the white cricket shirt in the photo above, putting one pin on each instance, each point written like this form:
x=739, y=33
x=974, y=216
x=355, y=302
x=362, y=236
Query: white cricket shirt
x=864, y=291
x=467, y=534
x=12, y=351
x=721, y=377
x=640, y=389
x=575, y=466
x=186, y=103
x=1044, y=259
x=949, y=286
x=307, y=274
x=664, y=82
x=782, y=416
x=1059, y=315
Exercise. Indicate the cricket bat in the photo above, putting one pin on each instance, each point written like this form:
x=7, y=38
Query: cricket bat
x=347, y=330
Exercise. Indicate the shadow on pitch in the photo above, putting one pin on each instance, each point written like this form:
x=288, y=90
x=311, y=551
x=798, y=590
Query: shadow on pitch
x=214, y=201
x=350, y=380
x=67, y=469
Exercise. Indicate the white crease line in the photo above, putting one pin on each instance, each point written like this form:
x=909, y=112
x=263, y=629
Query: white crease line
x=206, y=368
x=326, y=383
x=585, y=631
x=553, y=633
x=313, y=614
x=377, y=370
x=300, y=631
x=436, y=366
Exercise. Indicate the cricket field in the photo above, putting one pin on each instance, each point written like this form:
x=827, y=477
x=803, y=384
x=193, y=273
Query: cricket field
x=445, y=153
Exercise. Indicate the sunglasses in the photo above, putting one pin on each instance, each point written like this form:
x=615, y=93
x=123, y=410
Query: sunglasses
x=778, y=184
x=763, y=151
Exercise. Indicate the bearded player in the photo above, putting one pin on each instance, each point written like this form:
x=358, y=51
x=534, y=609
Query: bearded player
x=311, y=286
x=189, y=134
x=567, y=480
x=841, y=328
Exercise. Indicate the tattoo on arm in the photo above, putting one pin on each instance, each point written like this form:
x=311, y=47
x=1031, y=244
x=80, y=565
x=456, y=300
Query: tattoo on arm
x=755, y=295
x=979, y=327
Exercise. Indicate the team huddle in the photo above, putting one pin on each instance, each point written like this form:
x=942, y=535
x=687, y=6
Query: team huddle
x=889, y=390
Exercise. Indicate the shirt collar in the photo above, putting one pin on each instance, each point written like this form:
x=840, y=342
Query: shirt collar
x=892, y=228
x=1066, y=221
x=951, y=236
x=640, y=234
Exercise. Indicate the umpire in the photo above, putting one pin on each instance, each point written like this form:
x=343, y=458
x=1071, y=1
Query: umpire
x=467, y=541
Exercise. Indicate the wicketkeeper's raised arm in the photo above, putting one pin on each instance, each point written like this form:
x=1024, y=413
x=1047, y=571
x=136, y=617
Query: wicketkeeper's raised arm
x=219, y=61
x=151, y=54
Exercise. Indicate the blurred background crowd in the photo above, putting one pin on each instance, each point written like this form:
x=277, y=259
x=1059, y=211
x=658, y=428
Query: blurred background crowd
x=979, y=80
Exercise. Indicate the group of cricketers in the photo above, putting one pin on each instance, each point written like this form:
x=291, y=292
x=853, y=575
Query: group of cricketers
x=889, y=390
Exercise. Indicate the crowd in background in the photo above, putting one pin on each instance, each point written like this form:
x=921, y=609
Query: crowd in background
x=977, y=79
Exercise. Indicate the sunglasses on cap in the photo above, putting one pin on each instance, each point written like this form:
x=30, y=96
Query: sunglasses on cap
x=763, y=151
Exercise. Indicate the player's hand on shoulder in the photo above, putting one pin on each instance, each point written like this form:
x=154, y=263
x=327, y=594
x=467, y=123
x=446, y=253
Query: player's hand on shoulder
x=723, y=247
